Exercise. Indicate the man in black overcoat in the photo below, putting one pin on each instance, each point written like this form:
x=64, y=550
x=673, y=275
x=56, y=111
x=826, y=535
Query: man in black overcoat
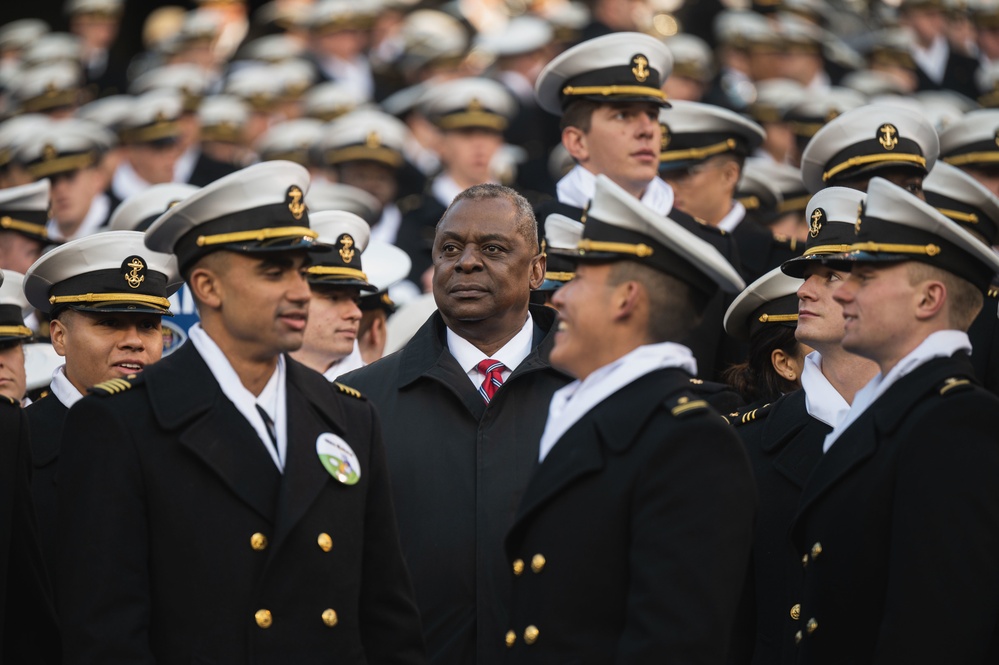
x=233, y=506
x=460, y=456
x=632, y=538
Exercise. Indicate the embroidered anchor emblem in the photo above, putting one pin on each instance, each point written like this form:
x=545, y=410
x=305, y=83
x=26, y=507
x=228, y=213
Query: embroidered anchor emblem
x=888, y=136
x=860, y=211
x=641, y=68
x=816, y=225
x=296, y=206
x=347, y=251
x=133, y=278
x=373, y=140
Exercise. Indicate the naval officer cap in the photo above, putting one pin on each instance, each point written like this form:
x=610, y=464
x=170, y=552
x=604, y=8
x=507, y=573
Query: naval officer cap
x=17, y=35
x=258, y=209
x=25, y=210
x=562, y=236
x=16, y=131
x=189, y=80
x=972, y=141
x=784, y=178
x=832, y=216
x=469, y=103
x=105, y=272
x=346, y=236
x=324, y=195
x=896, y=226
x=153, y=119
x=47, y=87
x=365, y=135
x=13, y=308
x=963, y=199
x=758, y=192
x=386, y=266
x=291, y=140
x=770, y=300
x=223, y=118
x=619, y=67
x=139, y=211
x=331, y=99
x=866, y=140
x=108, y=112
x=521, y=35
x=693, y=132
x=620, y=228
x=60, y=148
x=692, y=57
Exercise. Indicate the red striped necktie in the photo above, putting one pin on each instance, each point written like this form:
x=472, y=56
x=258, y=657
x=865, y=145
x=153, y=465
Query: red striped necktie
x=493, y=370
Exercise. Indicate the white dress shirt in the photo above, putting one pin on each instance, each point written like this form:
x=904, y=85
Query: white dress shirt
x=933, y=60
x=348, y=363
x=127, y=182
x=387, y=228
x=184, y=166
x=272, y=399
x=733, y=218
x=64, y=391
x=577, y=187
x=941, y=344
x=511, y=355
x=444, y=189
x=570, y=403
x=822, y=401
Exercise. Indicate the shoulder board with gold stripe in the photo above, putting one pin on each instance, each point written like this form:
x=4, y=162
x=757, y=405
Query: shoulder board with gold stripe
x=993, y=292
x=9, y=399
x=955, y=384
x=111, y=387
x=745, y=417
x=685, y=405
x=347, y=390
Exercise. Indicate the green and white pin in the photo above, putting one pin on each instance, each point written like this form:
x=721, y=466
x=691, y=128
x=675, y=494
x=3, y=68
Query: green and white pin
x=338, y=458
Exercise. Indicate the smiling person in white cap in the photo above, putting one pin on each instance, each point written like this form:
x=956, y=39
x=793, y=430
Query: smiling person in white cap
x=232, y=499
x=915, y=455
x=625, y=455
x=106, y=295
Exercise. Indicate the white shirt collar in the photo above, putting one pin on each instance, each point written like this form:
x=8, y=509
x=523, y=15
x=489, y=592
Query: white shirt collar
x=354, y=73
x=100, y=208
x=126, y=182
x=348, y=363
x=518, y=84
x=577, y=187
x=444, y=189
x=733, y=218
x=272, y=399
x=570, y=403
x=184, y=166
x=387, y=228
x=822, y=401
x=64, y=391
x=511, y=355
x=932, y=60
x=941, y=344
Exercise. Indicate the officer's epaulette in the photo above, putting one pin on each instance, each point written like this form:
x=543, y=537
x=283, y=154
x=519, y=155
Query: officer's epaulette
x=781, y=240
x=955, y=384
x=686, y=404
x=114, y=386
x=9, y=399
x=743, y=418
x=347, y=390
x=993, y=292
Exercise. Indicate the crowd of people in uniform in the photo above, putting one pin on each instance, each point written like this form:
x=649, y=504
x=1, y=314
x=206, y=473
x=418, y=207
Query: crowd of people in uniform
x=557, y=333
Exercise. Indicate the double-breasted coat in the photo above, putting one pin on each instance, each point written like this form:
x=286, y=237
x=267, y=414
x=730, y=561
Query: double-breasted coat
x=784, y=444
x=632, y=539
x=458, y=470
x=46, y=417
x=898, y=528
x=185, y=544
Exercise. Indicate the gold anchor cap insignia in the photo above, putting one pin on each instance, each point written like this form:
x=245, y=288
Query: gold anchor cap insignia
x=295, y=203
x=475, y=106
x=641, y=68
x=888, y=136
x=664, y=141
x=49, y=152
x=346, y=247
x=818, y=216
x=373, y=140
x=132, y=269
x=860, y=212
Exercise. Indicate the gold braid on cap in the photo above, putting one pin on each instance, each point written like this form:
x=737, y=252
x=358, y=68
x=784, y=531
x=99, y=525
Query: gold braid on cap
x=891, y=248
x=259, y=235
x=640, y=250
x=22, y=331
x=611, y=90
x=20, y=225
x=698, y=153
x=336, y=272
x=862, y=160
x=155, y=301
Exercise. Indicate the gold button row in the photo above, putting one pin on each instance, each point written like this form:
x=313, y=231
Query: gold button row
x=265, y=619
x=538, y=562
x=258, y=542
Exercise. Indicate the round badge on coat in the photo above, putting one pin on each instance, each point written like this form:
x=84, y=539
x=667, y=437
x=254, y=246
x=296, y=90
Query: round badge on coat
x=338, y=458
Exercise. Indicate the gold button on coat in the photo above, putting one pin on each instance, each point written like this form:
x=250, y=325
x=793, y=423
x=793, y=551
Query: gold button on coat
x=325, y=542
x=811, y=626
x=538, y=563
x=511, y=638
x=258, y=541
x=264, y=618
x=798, y=637
x=804, y=560
x=816, y=550
x=796, y=611
x=518, y=566
x=330, y=618
x=531, y=635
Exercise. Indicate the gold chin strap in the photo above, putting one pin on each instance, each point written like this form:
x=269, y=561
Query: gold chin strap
x=28, y=227
x=258, y=235
x=698, y=153
x=613, y=90
x=827, y=249
x=559, y=276
x=890, y=248
x=862, y=160
x=777, y=318
x=336, y=272
x=972, y=157
x=357, y=153
x=20, y=331
x=749, y=202
x=790, y=205
x=956, y=215
x=155, y=301
x=473, y=119
x=640, y=250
